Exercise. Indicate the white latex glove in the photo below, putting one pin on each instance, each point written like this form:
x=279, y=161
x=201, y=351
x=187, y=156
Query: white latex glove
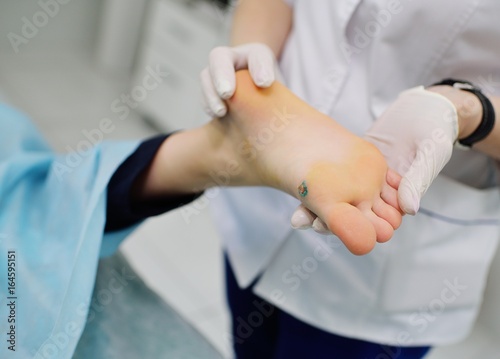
x=416, y=135
x=218, y=80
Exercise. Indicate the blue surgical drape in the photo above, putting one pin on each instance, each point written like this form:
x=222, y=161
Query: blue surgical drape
x=52, y=217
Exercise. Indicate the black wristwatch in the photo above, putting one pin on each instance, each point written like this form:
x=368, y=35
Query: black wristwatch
x=488, y=120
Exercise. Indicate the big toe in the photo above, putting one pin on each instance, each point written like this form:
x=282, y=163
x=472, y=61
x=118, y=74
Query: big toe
x=352, y=227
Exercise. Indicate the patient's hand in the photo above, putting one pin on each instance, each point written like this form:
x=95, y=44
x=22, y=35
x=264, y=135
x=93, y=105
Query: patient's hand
x=280, y=141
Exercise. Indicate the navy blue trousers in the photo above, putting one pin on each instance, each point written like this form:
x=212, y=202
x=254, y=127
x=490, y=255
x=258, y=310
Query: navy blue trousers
x=262, y=331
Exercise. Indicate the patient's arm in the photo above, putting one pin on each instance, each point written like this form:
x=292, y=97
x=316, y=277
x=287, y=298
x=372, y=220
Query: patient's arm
x=272, y=138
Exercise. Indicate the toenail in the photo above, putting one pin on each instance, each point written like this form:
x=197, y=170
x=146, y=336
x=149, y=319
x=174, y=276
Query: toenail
x=303, y=189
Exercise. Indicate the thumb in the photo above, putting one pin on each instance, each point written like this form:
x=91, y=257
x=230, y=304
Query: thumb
x=430, y=159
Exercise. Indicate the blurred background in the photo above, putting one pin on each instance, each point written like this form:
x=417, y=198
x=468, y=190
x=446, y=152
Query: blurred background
x=71, y=63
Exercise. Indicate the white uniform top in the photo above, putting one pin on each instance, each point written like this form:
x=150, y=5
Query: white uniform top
x=350, y=59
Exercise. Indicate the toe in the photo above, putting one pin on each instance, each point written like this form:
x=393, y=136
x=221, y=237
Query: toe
x=383, y=229
x=390, y=196
x=393, y=178
x=387, y=212
x=352, y=227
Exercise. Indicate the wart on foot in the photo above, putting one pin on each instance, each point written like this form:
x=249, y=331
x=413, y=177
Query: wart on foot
x=303, y=189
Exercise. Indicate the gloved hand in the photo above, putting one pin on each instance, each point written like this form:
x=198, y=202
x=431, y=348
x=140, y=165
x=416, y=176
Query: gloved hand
x=416, y=136
x=218, y=79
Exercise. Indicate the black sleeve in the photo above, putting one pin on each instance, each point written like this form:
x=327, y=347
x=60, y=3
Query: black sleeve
x=121, y=211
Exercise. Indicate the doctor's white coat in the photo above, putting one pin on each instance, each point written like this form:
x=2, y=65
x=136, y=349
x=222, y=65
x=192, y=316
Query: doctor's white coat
x=350, y=59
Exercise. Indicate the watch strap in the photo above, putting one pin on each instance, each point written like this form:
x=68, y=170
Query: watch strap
x=487, y=121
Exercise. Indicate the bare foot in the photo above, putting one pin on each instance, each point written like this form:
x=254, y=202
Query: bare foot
x=284, y=143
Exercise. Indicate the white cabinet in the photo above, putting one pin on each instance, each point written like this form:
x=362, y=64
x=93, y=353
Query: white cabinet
x=178, y=38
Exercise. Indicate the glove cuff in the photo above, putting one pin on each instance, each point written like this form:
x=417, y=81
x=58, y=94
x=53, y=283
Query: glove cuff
x=488, y=120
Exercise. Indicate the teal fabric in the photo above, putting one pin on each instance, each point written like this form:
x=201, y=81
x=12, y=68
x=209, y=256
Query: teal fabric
x=52, y=214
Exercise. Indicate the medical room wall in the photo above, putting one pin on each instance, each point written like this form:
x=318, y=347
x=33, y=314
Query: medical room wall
x=77, y=29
